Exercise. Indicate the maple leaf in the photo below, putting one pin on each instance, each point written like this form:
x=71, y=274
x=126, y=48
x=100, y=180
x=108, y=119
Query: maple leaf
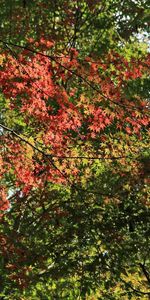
x=107, y=121
x=128, y=130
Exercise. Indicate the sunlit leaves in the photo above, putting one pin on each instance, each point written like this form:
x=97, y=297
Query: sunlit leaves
x=74, y=163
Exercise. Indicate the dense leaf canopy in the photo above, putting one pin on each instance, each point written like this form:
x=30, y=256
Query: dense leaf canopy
x=74, y=150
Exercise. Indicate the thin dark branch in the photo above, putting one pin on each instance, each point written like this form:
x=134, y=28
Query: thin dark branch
x=145, y=272
x=53, y=58
x=90, y=158
x=47, y=156
x=50, y=157
x=139, y=292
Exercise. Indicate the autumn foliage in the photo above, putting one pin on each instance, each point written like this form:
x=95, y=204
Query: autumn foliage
x=42, y=90
x=74, y=168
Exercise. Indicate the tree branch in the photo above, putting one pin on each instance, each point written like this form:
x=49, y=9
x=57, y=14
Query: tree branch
x=50, y=157
x=53, y=58
x=145, y=272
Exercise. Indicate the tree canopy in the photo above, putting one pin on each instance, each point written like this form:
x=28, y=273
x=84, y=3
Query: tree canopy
x=74, y=150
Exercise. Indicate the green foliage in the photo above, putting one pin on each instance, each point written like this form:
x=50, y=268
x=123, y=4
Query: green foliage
x=87, y=236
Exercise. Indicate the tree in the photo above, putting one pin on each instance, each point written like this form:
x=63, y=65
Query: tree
x=74, y=160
